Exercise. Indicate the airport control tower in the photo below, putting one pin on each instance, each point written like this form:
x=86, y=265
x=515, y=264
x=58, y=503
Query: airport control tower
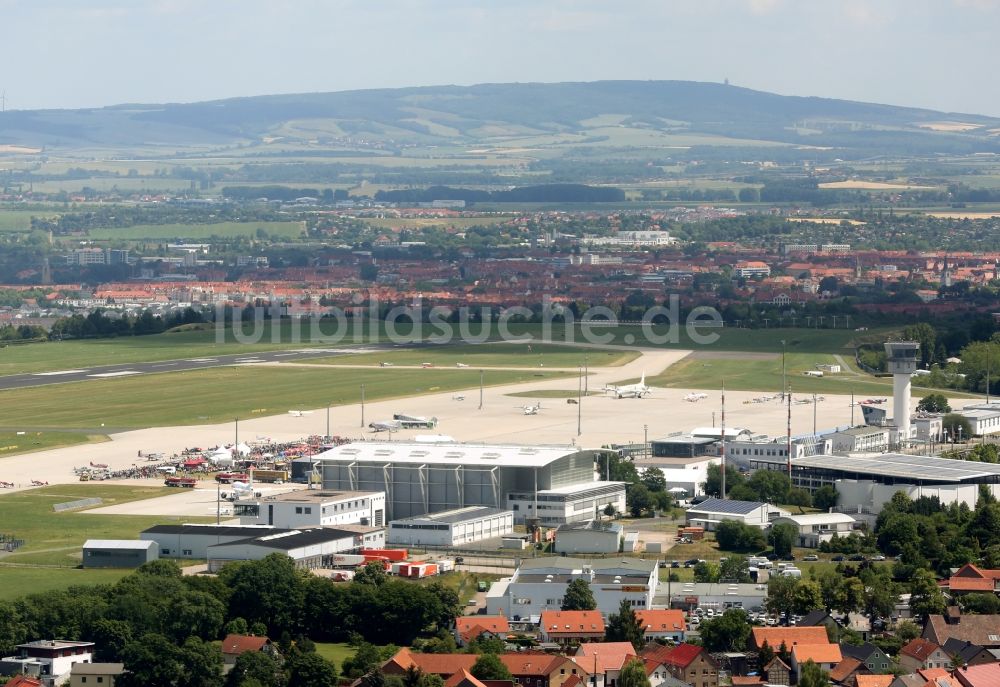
x=901, y=360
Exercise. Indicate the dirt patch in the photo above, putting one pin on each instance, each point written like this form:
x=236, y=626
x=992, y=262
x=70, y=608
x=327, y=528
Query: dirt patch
x=733, y=355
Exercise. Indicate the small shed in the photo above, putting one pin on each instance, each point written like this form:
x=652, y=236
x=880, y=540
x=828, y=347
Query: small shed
x=118, y=553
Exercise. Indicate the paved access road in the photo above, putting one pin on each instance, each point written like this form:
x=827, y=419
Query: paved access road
x=22, y=381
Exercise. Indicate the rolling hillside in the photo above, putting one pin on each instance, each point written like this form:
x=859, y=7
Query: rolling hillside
x=609, y=113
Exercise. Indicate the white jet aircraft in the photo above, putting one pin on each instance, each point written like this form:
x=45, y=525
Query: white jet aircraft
x=694, y=398
x=631, y=390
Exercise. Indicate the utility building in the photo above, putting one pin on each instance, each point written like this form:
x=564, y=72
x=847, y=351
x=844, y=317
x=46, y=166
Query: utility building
x=118, y=553
x=451, y=527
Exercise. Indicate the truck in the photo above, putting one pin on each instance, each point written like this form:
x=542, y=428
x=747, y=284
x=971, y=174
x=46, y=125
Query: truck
x=275, y=476
x=385, y=554
x=347, y=559
x=228, y=477
x=185, y=482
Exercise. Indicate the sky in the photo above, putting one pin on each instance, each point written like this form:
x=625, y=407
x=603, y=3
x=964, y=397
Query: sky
x=938, y=54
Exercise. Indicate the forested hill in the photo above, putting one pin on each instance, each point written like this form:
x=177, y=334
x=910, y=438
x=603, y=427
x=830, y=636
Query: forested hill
x=704, y=113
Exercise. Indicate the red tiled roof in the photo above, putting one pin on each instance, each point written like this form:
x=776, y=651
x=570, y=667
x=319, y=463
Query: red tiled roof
x=530, y=663
x=747, y=680
x=919, y=649
x=842, y=670
x=23, y=681
x=240, y=644
x=471, y=626
x=682, y=655
x=445, y=665
x=609, y=655
x=971, y=584
x=774, y=636
x=985, y=675
x=874, y=680
x=661, y=621
x=463, y=677
x=571, y=622
x=817, y=653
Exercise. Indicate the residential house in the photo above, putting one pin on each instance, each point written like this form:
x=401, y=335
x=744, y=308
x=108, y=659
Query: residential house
x=444, y=665
x=91, y=674
x=658, y=674
x=464, y=678
x=539, y=669
x=825, y=655
x=571, y=627
x=845, y=672
x=47, y=659
x=876, y=660
x=662, y=624
x=690, y=664
x=930, y=677
x=778, y=672
x=234, y=645
x=982, y=630
x=774, y=637
x=986, y=675
x=815, y=528
x=605, y=659
x=968, y=654
x=920, y=654
x=470, y=627
x=970, y=578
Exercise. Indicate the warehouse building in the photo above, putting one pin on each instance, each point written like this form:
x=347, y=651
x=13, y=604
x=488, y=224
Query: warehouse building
x=197, y=541
x=867, y=439
x=539, y=584
x=314, y=508
x=118, y=553
x=710, y=513
x=718, y=596
x=451, y=527
x=984, y=418
x=309, y=548
x=688, y=474
x=427, y=477
x=815, y=528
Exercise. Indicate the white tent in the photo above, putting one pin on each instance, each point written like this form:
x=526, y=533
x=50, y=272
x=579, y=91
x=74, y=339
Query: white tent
x=243, y=449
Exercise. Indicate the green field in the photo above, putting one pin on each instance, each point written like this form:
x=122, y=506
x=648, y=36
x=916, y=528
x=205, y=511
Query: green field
x=288, y=230
x=53, y=540
x=491, y=355
x=420, y=222
x=20, y=220
x=762, y=372
x=221, y=394
x=13, y=443
x=64, y=355
x=336, y=652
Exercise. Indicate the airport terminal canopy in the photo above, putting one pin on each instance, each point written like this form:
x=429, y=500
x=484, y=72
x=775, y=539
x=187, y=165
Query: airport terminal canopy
x=904, y=467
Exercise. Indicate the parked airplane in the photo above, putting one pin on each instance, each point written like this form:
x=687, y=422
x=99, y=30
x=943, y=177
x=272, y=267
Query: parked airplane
x=813, y=373
x=385, y=364
x=426, y=364
x=299, y=413
x=460, y=365
x=532, y=410
x=103, y=466
x=694, y=398
x=631, y=390
x=6, y=485
x=384, y=426
x=875, y=400
x=458, y=397
x=38, y=483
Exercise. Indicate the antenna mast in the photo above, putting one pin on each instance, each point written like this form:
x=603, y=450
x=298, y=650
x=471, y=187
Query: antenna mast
x=723, y=465
x=788, y=435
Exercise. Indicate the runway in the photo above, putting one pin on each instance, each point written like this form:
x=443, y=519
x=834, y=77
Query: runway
x=24, y=381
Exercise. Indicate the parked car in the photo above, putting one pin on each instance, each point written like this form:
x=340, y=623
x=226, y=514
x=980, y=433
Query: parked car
x=838, y=558
x=878, y=557
x=811, y=557
x=788, y=557
x=857, y=557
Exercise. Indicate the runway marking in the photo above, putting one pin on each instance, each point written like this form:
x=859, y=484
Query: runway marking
x=163, y=365
x=60, y=372
x=202, y=360
x=120, y=373
x=249, y=360
x=284, y=355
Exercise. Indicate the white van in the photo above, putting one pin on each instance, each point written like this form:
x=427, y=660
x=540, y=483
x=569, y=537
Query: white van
x=791, y=572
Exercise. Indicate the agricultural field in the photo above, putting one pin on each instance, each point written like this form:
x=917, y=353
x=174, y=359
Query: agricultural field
x=14, y=443
x=220, y=394
x=51, y=553
x=421, y=222
x=289, y=230
x=491, y=355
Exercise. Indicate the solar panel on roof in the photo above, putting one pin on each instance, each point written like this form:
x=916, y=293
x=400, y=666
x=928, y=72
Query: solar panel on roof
x=734, y=507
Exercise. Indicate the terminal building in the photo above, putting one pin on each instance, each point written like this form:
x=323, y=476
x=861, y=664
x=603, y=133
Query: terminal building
x=419, y=478
x=539, y=584
x=451, y=527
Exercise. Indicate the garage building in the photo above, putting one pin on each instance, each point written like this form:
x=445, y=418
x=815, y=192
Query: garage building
x=118, y=553
x=451, y=527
